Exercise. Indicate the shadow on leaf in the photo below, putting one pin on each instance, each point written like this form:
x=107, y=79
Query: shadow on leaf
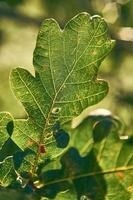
x=78, y=171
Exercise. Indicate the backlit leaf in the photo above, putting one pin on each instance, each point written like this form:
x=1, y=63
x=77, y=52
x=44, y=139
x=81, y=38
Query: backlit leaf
x=66, y=64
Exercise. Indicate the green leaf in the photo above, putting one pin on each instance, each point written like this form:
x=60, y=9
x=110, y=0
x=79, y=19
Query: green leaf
x=7, y=175
x=66, y=65
x=104, y=172
x=103, y=120
x=6, y=127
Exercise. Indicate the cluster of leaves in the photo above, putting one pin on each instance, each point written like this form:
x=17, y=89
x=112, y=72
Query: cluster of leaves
x=47, y=157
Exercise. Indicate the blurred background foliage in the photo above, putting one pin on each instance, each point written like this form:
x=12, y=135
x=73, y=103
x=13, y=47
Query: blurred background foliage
x=19, y=24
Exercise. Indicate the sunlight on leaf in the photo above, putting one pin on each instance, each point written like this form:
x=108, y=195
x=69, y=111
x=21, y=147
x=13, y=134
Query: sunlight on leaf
x=66, y=65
